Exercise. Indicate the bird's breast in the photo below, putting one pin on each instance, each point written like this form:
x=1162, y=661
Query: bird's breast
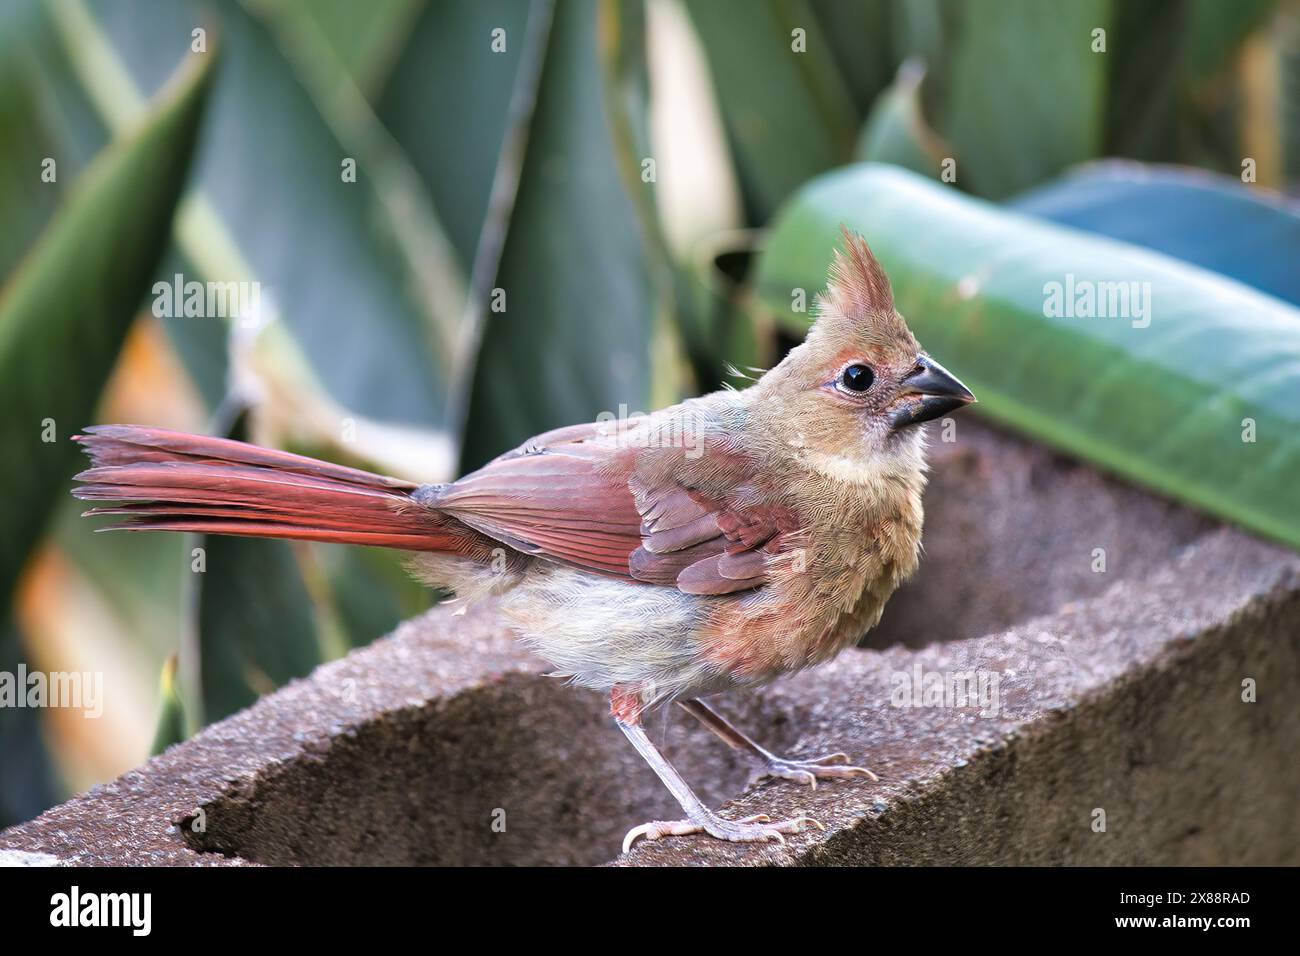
x=824, y=593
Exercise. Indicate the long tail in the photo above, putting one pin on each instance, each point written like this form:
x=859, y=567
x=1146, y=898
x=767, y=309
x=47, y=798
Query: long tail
x=171, y=481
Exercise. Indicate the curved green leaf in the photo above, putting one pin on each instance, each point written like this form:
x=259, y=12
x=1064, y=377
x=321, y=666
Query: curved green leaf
x=69, y=303
x=339, y=278
x=30, y=783
x=1042, y=109
x=64, y=313
x=44, y=118
x=450, y=60
x=789, y=112
x=1190, y=390
x=578, y=312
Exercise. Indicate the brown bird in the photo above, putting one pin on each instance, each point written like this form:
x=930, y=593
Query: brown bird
x=718, y=543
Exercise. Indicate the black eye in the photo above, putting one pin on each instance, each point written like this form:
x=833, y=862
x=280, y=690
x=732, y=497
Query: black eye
x=858, y=378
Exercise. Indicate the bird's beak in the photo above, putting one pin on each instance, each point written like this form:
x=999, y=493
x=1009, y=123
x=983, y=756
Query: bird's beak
x=929, y=391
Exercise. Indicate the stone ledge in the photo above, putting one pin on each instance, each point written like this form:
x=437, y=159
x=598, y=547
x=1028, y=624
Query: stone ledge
x=1119, y=691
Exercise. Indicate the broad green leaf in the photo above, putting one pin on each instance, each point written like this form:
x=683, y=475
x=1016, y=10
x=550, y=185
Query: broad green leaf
x=46, y=124
x=63, y=315
x=861, y=37
x=574, y=339
x=1249, y=234
x=1189, y=391
x=446, y=102
x=271, y=203
x=66, y=309
x=29, y=783
x=1041, y=109
x=789, y=114
x=256, y=628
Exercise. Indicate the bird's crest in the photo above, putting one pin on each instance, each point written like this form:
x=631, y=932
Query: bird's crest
x=859, y=294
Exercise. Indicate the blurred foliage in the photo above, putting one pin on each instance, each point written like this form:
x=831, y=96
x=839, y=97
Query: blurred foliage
x=504, y=258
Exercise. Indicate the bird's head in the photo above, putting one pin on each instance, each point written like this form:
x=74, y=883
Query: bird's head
x=854, y=393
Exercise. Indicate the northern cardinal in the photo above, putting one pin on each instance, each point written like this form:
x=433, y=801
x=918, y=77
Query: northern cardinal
x=718, y=543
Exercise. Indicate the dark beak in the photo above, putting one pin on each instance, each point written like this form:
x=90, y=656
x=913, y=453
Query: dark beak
x=928, y=392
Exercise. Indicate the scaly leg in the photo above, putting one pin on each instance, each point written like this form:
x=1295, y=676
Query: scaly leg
x=700, y=818
x=800, y=771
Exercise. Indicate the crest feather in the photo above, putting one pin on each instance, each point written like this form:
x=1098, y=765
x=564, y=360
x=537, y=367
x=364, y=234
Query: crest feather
x=858, y=284
x=859, y=299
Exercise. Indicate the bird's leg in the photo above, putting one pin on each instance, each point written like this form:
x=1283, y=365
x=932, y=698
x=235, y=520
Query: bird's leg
x=700, y=819
x=800, y=771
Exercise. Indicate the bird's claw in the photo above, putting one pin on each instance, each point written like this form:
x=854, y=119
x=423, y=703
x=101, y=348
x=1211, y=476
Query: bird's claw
x=755, y=829
x=809, y=771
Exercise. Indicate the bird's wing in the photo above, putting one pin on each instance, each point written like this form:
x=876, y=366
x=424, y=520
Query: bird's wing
x=575, y=497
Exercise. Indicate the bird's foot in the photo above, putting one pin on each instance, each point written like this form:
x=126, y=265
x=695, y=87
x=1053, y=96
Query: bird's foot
x=811, y=770
x=755, y=829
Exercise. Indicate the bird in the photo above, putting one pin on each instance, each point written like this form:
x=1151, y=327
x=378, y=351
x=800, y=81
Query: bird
x=664, y=558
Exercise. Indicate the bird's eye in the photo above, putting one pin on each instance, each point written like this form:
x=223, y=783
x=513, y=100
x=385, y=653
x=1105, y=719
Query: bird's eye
x=857, y=378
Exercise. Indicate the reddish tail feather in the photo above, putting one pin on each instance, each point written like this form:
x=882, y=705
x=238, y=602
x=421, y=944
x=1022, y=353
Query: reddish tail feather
x=171, y=481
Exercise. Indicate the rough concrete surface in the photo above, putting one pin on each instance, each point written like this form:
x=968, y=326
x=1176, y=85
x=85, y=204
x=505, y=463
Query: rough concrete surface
x=1118, y=696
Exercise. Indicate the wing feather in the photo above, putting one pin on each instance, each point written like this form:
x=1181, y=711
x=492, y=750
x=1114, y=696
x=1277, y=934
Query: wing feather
x=579, y=497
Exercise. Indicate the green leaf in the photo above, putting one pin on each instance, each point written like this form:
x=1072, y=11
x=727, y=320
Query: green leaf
x=860, y=35
x=343, y=281
x=449, y=60
x=44, y=119
x=578, y=318
x=1168, y=401
x=29, y=784
x=789, y=114
x=66, y=309
x=1043, y=107
x=1249, y=234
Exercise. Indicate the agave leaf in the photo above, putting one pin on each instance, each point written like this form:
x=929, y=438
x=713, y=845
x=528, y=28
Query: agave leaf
x=65, y=310
x=342, y=282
